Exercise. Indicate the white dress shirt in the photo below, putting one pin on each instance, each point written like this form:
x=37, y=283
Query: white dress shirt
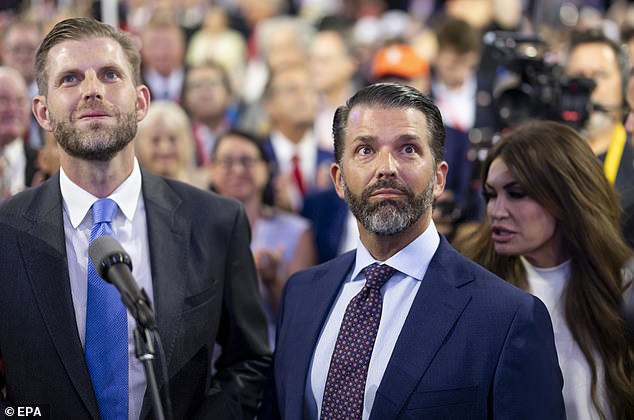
x=457, y=106
x=398, y=295
x=130, y=229
x=306, y=149
x=161, y=86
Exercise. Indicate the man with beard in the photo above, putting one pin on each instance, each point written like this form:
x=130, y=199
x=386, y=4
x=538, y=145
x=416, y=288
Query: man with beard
x=405, y=327
x=595, y=56
x=66, y=341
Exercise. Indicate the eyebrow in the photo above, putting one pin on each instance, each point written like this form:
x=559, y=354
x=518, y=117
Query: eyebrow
x=111, y=65
x=505, y=186
x=403, y=138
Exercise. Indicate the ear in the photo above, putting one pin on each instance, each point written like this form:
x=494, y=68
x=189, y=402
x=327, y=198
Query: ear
x=441, y=178
x=142, y=102
x=336, y=175
x=40, y=110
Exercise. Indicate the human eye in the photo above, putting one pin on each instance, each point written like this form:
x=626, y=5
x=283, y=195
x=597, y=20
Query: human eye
x=409, y=149
x=111, y=75
x=364, y=150
x=488, y=195
x=69, y=79
x=516, y=194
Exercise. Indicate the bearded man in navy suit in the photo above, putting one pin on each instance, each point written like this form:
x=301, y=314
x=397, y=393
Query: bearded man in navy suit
x=453, y=341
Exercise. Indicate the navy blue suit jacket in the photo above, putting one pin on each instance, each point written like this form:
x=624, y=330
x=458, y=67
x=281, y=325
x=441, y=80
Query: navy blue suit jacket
x=472, y=347
x=327, y=214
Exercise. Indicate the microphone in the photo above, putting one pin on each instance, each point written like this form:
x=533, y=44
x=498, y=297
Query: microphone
x=113, y=265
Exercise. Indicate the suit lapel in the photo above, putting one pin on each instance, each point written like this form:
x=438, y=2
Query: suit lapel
x=44, y=253
x=436, y=308
x=313, y=300
x=168, y=236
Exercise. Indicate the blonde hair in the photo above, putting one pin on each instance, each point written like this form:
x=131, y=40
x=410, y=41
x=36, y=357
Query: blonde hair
x=174, y=117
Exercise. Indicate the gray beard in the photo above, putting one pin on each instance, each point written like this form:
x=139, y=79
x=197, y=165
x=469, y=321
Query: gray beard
x=388, y=217
x=97, y=143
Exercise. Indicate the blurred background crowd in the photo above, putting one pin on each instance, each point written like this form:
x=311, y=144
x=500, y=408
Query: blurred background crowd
x=244, y=93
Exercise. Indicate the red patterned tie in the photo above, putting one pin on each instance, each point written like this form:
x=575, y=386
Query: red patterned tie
x=297, y=174
x=345, y=384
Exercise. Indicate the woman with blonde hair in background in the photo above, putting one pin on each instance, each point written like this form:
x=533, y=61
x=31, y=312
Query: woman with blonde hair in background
x=164, y=144
x=553, y=228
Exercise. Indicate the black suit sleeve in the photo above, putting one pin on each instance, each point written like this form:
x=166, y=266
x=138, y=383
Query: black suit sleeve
x=245, y=359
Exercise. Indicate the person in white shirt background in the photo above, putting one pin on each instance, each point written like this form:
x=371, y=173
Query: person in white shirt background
x=553, y=228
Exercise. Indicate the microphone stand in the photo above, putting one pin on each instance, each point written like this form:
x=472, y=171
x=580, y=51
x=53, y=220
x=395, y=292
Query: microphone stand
x=145, y=354
x=141, y=311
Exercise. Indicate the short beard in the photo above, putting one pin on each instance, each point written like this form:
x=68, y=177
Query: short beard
x=389, y=217
x=99, y=143
x=597, y=123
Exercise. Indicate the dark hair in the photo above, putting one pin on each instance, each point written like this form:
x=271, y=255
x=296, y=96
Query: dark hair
x=458, y=35
x=558, y=170
x=391, y=95
x=597, y=36
x=267, y=194
x=246, y=135
x=75, y=29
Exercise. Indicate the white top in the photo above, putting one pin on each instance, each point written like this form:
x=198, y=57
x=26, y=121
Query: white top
x=130, y=227
x=398, y=295
x=457, y=106
x=548, y=284
x=15, y=157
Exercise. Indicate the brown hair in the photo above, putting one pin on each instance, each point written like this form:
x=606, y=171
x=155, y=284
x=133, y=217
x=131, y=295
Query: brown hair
x=456, y=34
x=557, y=168
x=75, y=29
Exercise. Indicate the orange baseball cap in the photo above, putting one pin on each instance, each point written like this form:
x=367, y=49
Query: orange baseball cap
x=398, y=60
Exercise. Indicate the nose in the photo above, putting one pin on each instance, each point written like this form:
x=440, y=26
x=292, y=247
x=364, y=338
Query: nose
x=387, y=165
x=496, y=208
x=92, y=87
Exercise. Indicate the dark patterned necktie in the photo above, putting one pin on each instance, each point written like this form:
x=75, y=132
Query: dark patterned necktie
x=345, y=384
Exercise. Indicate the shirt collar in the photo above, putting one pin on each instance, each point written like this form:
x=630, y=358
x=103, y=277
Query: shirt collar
x=412, y=260
x=77, y=201
x=285, y=147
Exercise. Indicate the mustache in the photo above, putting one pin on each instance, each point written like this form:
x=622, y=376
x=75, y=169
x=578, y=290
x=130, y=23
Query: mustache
x=94, y=105
x=387, y=183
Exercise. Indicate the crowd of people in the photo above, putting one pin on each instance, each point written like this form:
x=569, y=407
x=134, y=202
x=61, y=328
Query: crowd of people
x=323, y=127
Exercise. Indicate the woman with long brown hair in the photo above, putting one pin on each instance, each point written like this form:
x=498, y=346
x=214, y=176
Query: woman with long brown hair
x=553, y=228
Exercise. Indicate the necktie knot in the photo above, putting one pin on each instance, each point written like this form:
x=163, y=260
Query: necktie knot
x=103, y=210
x=377, y=274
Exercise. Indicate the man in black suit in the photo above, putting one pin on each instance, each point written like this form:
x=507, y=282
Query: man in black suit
x=189, y=249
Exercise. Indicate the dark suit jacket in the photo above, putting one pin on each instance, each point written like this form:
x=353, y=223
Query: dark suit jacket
x=205, y=291
x=472, y=347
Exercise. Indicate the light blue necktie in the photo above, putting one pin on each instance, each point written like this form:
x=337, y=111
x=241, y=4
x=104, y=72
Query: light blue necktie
x=106, y=329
